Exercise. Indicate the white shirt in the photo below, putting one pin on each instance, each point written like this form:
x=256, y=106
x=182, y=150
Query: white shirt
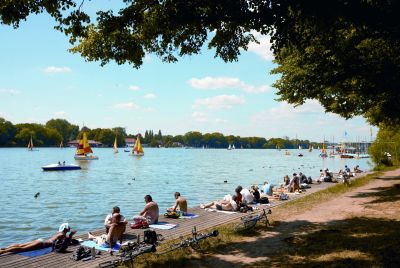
x=109, y=217
x=247, y=196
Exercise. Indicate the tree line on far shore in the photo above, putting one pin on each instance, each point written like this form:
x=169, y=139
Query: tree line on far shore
x=57, y=131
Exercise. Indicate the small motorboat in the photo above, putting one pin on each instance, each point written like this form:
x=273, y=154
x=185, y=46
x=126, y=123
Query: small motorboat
x=60, y=167
x=300, y=155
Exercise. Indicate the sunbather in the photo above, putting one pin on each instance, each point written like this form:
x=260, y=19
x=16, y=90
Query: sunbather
x=227, y=205
x=108, y=219
x=150, y=211
x=115, y=233
x=41, y=243
x=180, y=204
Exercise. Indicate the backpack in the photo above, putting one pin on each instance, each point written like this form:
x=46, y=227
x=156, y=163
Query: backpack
x=61, y=245
x=150, y=237
x=264, y=200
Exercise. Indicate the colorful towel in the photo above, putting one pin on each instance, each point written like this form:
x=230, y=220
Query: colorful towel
x=91, y=244
x=189, y=216
x=37, y=252
x=163, y=226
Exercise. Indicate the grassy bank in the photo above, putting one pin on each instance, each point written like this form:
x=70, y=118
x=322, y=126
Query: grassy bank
x=356, y=242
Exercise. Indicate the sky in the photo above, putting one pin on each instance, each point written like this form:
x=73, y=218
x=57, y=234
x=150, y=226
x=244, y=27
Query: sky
x=41, y=80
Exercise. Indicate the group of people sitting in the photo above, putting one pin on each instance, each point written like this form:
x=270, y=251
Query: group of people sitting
x=115, y=225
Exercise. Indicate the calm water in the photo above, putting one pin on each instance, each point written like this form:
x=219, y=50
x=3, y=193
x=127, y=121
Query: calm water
x=84, y=197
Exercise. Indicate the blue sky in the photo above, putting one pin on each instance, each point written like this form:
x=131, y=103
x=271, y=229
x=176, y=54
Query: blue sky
x=41, y=80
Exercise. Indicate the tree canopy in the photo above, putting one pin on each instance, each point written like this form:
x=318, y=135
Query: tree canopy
x=345, y=54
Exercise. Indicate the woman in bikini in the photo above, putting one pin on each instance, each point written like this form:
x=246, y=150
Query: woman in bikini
x=41, y=243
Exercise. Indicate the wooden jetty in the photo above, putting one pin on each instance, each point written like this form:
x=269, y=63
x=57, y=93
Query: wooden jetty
x=205, y=220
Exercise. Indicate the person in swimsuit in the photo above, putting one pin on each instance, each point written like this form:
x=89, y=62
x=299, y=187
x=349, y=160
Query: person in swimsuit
x=41, y=243
x=227, y=205
x=115, y=233
x=180, y=204
x=150, y=211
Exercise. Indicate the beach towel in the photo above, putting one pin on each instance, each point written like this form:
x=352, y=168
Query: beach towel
x=188, y=216
x=220, y=211
x=36, y=253
x=91, y=244
x=163, y=226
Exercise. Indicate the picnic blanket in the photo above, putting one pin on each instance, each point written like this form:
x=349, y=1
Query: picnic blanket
x=163, y=226
x=36, y=253
x=91, y=244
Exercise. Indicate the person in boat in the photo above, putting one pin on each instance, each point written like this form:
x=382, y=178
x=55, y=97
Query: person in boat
x=108, y=219
x=115, y=233
x=41, y=243
x=228, y=204
x=150, y=211
x=180, y=204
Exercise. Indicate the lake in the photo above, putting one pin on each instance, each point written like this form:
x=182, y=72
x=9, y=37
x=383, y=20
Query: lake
x=84, y=197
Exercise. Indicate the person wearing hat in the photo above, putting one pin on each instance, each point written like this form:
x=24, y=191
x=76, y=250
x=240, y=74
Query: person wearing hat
x=41, y=243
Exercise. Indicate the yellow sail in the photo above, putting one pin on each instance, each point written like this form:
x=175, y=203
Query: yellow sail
x=115, y=146
x=84, y=146
x=138, y=149
x=30, y=144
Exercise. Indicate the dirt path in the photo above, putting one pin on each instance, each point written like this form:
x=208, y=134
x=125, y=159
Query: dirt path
x=351, y=224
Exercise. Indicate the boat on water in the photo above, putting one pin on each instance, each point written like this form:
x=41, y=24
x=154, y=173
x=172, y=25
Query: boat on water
x=137, y=149
x=83, y=152
x=229, y=147
x=323, y=153
x=300, y=155
x=60, y=167
x=115, y=146
x=233, y=146
x=310, y=148
x=30, y=145
x=61, y=145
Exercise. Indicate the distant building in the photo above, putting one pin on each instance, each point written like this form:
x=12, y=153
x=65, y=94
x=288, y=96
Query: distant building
x=92, y=143
x=130, y=142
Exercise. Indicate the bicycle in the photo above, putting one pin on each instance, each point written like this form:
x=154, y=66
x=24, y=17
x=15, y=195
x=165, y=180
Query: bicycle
x=192, y=242
x=248, y=222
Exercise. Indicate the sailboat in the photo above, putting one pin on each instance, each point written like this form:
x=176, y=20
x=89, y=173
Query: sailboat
x=233, y=146
x=30, y=144
x=115, y=146
x=323, y=151
x=229, y=147
x=61, y=144
x=138, y=149
x=83, y=150
x=310, y=148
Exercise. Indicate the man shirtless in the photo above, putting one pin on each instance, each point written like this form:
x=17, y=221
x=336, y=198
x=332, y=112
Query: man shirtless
x=180, y=204
x=150, y=211
x=227, y=205
x=41, y=243
x=115, y=233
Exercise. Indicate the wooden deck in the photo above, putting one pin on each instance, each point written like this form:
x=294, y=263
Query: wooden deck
x=205, y=220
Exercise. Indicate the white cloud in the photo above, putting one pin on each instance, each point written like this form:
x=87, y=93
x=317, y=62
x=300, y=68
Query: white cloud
x=149, y=96
x=60, y=113
x=9, y=91
x=54, y=69
x=263, y=49
x=219, y=102
x=209, y=82
x=200, y=117
x=134, y=88
x=126, y=106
